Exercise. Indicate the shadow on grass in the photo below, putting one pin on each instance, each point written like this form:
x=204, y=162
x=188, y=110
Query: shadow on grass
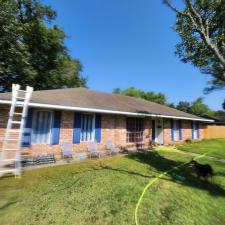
x=162, y=164
x=6, y=205
x=125, y=171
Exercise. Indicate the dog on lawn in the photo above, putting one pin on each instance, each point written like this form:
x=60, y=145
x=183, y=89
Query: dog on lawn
x=202, y=170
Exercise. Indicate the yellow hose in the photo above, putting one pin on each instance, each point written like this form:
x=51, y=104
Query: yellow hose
x=152, y=182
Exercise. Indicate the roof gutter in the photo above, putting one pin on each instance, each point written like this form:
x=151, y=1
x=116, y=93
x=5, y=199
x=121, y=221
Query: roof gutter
x=82, y=109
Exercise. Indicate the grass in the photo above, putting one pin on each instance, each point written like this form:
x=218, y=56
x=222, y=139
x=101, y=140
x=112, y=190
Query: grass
x=105, y=192
x=215, y=147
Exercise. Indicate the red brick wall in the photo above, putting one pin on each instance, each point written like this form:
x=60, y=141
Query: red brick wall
x=66, y=127
x=186, y=130
x=167, y=131
x=113, y=129
x=4, y=111
x=147, y=131
x=120, y=131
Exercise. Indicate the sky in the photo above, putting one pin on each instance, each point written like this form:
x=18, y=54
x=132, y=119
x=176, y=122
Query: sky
x=124, y=43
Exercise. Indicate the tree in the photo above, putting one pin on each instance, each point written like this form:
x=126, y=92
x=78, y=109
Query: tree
x=116, y=91
x=199, y=108
x=159, y=98
x=201, y=26
x=224, y=105
x=171, y=105
x=32, y=52
x=132, y=91
x=184, y=106
x=220, y=115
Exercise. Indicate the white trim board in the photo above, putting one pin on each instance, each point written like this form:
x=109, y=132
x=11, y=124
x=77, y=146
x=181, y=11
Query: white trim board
x=82, y=109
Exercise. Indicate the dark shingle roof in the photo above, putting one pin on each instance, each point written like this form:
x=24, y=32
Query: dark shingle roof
x=82, y=97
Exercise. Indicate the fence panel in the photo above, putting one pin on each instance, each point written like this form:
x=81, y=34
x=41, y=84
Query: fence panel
x=214, y=131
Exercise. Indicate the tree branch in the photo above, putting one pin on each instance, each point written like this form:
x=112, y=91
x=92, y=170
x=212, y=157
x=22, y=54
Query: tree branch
x=203, y=30
x=194, y=12
x=168, y=3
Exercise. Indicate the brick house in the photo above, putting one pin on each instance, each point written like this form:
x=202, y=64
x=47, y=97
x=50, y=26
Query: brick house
x=80, y=115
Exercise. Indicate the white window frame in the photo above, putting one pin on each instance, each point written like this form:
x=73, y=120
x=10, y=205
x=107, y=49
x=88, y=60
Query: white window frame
x=176, y=132
x=51, y=123
x=93, y=130
x=195, y=131
x=141, y=132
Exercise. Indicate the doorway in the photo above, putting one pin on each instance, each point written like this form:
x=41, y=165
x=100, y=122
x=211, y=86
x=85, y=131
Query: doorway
x=159, y=131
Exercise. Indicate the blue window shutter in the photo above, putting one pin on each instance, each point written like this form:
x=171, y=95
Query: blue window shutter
x=26, y=138
x=198, y=132
x=76, y=128
x=153, y=130
x=172, y=130
x=56, y=128
x=180, y=130
x=98, y=128
x=192, y=129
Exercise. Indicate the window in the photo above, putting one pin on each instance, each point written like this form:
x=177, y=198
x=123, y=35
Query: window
x=41, y=127
x=87, y=127
x=176, y=130
x=135, y=130
x=195, y=130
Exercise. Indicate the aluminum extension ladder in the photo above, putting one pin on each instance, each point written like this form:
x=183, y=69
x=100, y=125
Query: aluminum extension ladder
x=10, y=159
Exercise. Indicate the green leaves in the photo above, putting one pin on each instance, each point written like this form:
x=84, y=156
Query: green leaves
x=201, y=26
x=159, y=98
x=31, y=52
x=198, y=107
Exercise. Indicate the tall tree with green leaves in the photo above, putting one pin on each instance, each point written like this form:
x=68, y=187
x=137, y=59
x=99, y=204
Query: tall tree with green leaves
x=199, y=108
x=32, y=51
x=159, y=98
x=201, y=26
x=184, y=106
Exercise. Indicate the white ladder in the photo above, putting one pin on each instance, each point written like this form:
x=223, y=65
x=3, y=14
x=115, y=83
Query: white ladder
x=10, y=161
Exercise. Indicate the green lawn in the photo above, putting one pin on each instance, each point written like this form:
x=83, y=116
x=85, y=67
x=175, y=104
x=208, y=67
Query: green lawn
x=213, y=147
x=106, y=191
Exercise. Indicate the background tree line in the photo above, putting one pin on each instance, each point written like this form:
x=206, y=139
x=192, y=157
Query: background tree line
x=197, y=107
x=32, y=49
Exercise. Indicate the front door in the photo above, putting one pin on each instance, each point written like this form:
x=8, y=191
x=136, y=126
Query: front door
x=159, y=131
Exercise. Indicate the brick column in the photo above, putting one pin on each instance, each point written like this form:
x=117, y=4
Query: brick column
x=120, y=131
x=66, y=127
x=167, y=131
x=186, y=130
x=147, y=131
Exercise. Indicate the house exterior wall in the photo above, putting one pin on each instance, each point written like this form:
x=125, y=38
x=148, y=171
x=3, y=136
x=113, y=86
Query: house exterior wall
x=186, y=131
x=4, y=111
x=113, y=128
x=167, y=131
